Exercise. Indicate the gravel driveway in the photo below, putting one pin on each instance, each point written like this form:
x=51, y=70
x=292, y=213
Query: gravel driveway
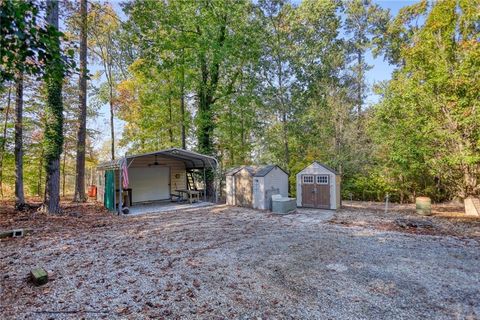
x=223, y=263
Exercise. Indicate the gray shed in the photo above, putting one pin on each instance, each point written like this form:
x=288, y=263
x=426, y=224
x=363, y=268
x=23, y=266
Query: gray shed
x=253, y=186
x=318, y=186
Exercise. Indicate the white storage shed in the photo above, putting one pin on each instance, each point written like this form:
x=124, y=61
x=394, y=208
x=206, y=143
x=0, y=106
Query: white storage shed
x=253, y=186
x=318, y=186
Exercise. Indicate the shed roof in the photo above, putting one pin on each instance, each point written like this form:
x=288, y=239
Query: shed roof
x=192, y=160
x=322, y=165
x=255, y=171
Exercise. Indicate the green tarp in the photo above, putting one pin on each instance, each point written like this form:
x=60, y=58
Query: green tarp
x=109, y=198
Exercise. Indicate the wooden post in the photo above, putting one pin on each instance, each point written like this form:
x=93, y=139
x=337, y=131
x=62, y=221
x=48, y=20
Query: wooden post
x=204, y=185
x=114, y=190
x=120, y=187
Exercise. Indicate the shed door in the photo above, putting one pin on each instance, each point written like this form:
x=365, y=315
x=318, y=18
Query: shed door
x=308, y=191
x=243, y=190
x=322, y=193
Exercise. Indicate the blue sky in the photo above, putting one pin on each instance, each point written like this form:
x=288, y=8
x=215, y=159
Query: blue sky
x=380, y=71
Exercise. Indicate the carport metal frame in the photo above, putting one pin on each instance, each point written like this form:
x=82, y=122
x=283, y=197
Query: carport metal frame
x=173, y=153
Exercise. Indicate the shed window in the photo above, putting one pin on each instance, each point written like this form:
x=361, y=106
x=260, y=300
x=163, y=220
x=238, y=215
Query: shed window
x=322, y=179
x=308, y=179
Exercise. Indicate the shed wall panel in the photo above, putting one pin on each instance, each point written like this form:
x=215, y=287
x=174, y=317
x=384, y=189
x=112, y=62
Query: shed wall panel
x=230, y=190
x=275, y=182
x=259, y=193
x=243, y=188
x=100, y=186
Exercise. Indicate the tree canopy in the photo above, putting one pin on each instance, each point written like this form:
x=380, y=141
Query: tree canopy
x=268, y=81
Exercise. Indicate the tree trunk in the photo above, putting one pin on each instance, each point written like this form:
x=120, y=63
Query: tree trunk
x=285, y=142
x=112, y=128
x=207, y=88
x=205, y=120
x=182, y=102
x=205, y=126
x=53, y=139
x=242, y=139
x=64, y=163
x=79, y=195
x=469, y=180
x=19, y=195
x=230, y=132
x=40, y=172
x=210, y=76
x=359, y=92
x=4, y=137
x=170, y=129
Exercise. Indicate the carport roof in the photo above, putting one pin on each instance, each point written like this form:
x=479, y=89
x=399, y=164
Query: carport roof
x=192, y=160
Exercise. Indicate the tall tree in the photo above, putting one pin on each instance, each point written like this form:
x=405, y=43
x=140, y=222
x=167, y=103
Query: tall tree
x=182, y=99
x=277, y=68
x=323, y=107
x=363, y=20
x=3, y=141
x=103, y=33
x=82, y=117
x=53, y=138
x=19, y=192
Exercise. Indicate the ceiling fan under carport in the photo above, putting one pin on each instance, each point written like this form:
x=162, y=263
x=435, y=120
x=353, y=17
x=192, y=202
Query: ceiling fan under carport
x=156, y=163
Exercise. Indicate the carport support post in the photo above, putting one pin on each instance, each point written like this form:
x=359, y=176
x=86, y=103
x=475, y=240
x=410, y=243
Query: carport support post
x=114, y=190
x=204, y=184
x=120, y=188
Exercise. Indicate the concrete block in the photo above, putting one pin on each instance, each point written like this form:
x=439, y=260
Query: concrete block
x=39, y=276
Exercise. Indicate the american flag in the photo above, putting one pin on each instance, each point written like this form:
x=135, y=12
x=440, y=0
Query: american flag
x=125, y=173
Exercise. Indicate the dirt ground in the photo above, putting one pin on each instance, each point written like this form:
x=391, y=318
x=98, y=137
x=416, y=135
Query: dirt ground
x=221, y=262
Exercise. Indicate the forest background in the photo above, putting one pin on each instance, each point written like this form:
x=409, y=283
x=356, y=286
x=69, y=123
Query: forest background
x=268, y=81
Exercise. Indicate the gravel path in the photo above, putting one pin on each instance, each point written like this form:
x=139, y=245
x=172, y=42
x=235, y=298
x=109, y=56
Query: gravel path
x=223, y=263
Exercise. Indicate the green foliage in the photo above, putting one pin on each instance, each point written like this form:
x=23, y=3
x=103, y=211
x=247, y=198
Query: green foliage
x=426, y=126
x=149, y=104
x=26, y=45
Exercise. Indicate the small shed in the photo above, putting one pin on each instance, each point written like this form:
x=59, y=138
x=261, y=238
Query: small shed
x=253, y=186
x=318, y=186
